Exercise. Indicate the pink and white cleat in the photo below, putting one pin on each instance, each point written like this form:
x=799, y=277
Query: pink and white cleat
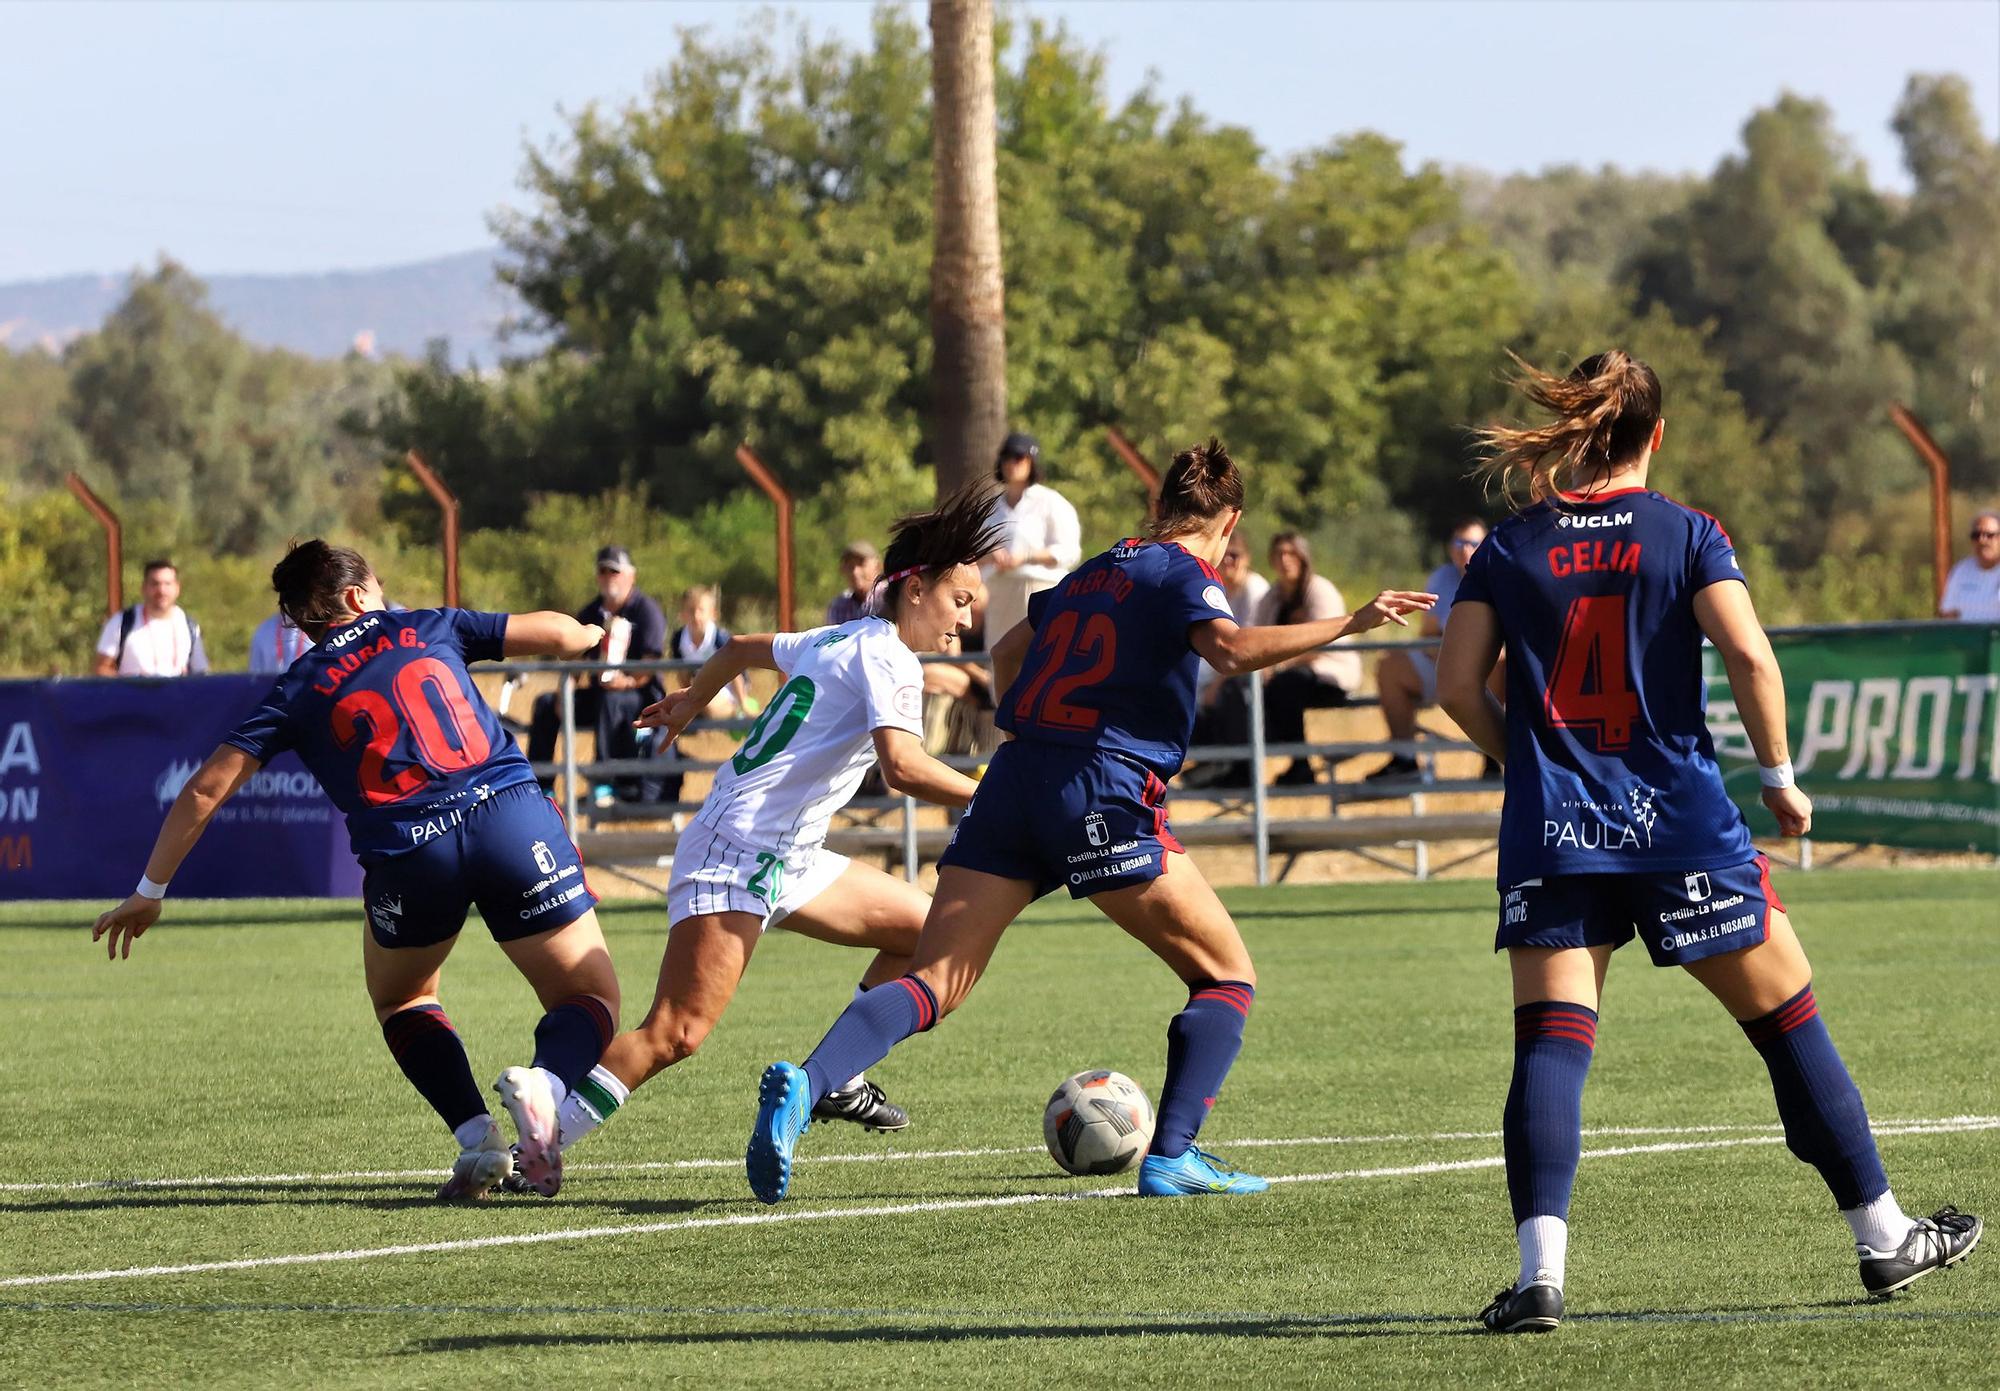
x=526, y=1094
x=479, y=1169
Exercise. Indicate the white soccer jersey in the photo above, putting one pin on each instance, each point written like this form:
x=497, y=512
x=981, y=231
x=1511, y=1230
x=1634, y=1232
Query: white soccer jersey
x=814, y=743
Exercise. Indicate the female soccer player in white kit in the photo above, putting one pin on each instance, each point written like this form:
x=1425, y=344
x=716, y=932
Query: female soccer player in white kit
x=755, y=855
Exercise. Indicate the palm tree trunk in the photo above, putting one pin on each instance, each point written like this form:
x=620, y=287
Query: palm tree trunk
x=968, y=326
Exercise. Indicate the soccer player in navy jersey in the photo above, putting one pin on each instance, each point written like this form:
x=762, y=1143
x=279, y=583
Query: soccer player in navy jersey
x=1100, y=697
x=1601, y=590
x=443, y=813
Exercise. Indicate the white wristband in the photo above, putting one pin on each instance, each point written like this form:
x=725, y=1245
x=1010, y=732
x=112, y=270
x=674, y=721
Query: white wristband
x=1780, y=776
x=148, y=889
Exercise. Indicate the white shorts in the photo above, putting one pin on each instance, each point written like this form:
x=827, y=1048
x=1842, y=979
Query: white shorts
x=1425, y=663
x=715, y=875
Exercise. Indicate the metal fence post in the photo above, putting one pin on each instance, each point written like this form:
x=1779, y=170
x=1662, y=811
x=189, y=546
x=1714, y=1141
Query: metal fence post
x=1805, y=852
x=569, y=746
x=909, y=838
x=1260, y=808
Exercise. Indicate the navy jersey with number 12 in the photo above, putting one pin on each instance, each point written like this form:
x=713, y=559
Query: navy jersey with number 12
x=1111, y=666
x=385, y=715
x=1609, y=765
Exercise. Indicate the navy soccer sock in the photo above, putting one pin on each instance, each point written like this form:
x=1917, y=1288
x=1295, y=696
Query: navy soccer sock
x=875, y=1022
x=1543, y=1122
x=1825, y=1123
x=1202, y=1041
x=571, y=1037
x=427, y=1048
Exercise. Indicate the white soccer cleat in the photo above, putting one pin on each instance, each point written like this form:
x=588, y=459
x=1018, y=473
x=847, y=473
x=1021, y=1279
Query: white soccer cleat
x=477, y=1170
x=525, y=1092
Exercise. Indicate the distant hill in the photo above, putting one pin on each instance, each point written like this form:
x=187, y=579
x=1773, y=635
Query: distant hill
x=394, y=310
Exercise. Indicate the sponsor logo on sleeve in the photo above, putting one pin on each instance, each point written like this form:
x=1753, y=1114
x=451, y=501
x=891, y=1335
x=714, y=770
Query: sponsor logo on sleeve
x=909, y=702
x=1216, y=598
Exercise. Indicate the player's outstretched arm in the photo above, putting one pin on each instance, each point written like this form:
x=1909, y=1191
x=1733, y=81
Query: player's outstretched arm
x=1729, y=620
x=214, y=783
x=1471, y=647
x=907, y=768
x=546, y=633
x=679, y=708
x=1234, y=650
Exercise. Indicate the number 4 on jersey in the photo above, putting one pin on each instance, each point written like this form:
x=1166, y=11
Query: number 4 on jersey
x=1590, y=685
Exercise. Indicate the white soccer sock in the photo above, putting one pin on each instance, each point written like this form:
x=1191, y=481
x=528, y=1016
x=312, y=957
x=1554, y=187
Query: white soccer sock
x=556, y=1087
x=472, y=1134
x=1880, y=1224
x=596, y=1097
x=1544, y=1246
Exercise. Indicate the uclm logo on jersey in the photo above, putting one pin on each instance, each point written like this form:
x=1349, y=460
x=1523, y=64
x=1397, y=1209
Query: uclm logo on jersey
x=1607, y=519
x=545, y=859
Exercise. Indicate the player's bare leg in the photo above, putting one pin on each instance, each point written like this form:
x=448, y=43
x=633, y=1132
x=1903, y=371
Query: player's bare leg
x=1181, y=921
x=1767, y=988
x=403, y=988
x=968, y=914
x=570, y=970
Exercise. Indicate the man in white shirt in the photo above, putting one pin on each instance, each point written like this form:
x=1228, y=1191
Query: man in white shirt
x=153, y=637
x=1972, y=589
x=1044, y=538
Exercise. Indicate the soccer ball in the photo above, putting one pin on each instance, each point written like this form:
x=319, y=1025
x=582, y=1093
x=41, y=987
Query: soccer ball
x=1098, y=1123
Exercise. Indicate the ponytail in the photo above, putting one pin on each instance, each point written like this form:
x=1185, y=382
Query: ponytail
x=959, y=531
x=310, y=580
x=1201, y=485
x=1605, y=411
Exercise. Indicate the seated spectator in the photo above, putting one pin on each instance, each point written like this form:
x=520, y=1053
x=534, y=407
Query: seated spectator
x=1044, y=538
x=698, y=638
x=635, y=630
x=1407, y=680
x=861, y=567
x=1316, y=681
x=154, y=637
x=1972, y=589
x=276, y=645
x=1245, y=589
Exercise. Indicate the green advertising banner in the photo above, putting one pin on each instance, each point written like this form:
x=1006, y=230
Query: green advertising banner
x=1895, y=733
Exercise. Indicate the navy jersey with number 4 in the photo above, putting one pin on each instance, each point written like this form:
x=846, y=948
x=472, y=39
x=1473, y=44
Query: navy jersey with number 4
x=385, y=715
x=1609, y=765
x=1111, y=666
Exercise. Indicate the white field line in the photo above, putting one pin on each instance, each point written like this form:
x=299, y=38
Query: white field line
x=759, y=1219
x=889, y=1156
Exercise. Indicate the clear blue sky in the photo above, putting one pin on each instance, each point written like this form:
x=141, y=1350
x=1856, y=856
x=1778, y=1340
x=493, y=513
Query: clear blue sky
x=306, y=136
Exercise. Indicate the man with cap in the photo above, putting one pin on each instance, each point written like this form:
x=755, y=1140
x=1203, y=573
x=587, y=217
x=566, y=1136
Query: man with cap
x=1044, y=538
x=635, y=630
x=861, y=567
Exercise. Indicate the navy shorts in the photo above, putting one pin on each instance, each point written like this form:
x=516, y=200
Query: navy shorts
x=1052, y=814
x=511, y=855
x=1683, y=916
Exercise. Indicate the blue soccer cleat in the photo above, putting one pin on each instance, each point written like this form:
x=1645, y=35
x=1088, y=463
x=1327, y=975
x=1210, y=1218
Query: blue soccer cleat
x=1193, y=1173
x=784, y=1111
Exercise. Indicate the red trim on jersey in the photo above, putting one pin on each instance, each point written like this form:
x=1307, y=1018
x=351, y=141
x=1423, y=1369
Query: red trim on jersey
x=1604, y=497
x=1206, y=568
x=1699, y=513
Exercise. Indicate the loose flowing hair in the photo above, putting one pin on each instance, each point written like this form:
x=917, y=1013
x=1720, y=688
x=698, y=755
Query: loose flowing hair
x=1290, y=602
x=959, y=531
x=310, y=580
x=1605, y=412
x=1202, y=483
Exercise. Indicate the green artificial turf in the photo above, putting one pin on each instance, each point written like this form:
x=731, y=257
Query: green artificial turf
x=238, y=1043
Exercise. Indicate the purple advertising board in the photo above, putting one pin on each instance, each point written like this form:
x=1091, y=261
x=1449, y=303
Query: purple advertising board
x=89, y=767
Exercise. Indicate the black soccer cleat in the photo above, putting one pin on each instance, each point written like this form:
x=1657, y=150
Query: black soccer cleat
x=1943, y=1239
x=1536, y=1309
x=516, y=1183
x=865, y=1106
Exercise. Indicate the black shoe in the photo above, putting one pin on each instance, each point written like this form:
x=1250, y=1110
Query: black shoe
x=1943, y=1239
x=1536, y=1309
x=514, y=1182
x=865, y=1106
x=1396, y=769
x=1490, y=771
x=1299, y=774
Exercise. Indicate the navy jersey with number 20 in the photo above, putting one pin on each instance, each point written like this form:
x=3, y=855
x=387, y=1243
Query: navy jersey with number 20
x=385, y=715
x=1111, y=667
x=1609, y=765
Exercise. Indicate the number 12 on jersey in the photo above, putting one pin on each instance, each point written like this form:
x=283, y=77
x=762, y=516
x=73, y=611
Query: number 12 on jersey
x=1590, y=684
